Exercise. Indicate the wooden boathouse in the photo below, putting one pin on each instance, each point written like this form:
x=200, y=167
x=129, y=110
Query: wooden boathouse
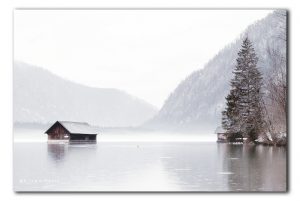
x=71, y=131
x=223, y=136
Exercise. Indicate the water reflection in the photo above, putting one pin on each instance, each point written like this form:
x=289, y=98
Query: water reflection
x=195, y=167
x=57, y=151
x=254, y=168
x=226, y=167
x=133, y=166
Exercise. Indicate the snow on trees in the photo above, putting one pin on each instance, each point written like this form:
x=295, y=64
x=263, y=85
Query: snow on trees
x=275, y=99
x=243, y=112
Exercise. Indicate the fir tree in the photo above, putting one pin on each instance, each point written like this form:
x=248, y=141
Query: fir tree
x=230, y=115
x=243, y=113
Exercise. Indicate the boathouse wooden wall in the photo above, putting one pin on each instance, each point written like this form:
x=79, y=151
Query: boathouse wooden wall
x=58, y=132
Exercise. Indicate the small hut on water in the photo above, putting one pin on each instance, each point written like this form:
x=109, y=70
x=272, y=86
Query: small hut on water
x=221, y=134
x=224, y=136
x=71, y=131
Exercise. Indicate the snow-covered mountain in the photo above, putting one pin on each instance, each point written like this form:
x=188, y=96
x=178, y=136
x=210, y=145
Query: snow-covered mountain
x=42, y=97
x=198, y=100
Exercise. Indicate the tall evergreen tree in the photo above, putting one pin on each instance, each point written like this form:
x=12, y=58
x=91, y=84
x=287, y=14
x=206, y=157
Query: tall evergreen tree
x=230, y=115
x=243, y=113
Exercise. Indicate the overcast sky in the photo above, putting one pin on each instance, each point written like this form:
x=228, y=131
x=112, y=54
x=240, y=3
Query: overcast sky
x=146, y=53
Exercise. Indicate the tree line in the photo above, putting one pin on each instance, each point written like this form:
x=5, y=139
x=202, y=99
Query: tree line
x=256, y=107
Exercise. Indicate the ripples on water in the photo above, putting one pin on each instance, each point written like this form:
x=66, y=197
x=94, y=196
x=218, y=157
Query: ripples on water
x=148, y=166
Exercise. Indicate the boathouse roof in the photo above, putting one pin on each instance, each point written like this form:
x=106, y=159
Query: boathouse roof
x=76, y=127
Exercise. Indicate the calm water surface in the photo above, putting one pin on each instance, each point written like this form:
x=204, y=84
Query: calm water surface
x=148, y=166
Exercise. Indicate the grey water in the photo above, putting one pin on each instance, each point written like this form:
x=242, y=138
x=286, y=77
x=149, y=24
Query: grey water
x=148, y=166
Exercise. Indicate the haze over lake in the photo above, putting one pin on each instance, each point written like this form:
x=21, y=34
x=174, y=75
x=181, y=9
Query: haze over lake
x=148, y=166
x=143, y=91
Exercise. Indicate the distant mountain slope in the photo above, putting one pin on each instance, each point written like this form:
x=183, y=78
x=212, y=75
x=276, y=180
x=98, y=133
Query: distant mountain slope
x=197, y=102
x=42, y=97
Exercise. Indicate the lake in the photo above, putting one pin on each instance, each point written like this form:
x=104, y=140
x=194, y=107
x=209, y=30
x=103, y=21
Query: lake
x=148, y=166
